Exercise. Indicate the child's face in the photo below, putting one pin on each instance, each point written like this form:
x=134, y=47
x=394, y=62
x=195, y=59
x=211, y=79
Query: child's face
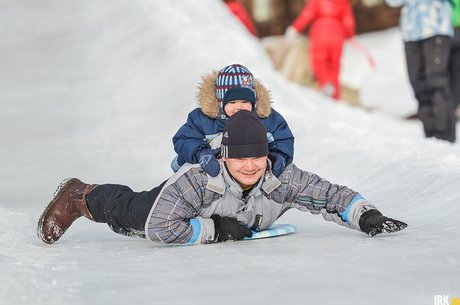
x=234, y=106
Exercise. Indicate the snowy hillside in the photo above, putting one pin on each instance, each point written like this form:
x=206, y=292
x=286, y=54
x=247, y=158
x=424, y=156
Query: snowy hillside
x=96, y=90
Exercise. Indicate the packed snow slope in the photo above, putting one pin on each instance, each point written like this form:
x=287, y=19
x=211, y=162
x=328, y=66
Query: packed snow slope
x=96, y=89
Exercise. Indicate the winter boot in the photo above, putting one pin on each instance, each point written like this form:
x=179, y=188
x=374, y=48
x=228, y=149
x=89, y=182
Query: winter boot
x=68, y=204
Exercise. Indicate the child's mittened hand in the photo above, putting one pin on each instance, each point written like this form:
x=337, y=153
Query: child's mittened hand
x=208, y=161
x=278, y=163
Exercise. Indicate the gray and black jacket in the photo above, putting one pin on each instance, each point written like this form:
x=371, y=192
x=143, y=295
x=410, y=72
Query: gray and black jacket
x=181, y=212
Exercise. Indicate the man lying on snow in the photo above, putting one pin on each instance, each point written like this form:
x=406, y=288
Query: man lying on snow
x=192, y=207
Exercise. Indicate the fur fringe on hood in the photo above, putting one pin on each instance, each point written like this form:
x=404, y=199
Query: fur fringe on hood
x=210, y=105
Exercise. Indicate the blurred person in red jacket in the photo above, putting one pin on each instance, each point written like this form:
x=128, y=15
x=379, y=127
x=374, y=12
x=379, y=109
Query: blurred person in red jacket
x=332, y=22
x=240, y=12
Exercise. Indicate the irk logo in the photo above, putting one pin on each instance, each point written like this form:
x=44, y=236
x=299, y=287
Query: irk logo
x=441, y=299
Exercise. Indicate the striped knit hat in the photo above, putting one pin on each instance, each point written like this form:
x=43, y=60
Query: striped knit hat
x=235, y=82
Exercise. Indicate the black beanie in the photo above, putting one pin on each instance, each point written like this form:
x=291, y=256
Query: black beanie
x=244, y=136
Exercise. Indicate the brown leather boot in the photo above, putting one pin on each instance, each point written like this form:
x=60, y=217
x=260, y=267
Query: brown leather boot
x=68, y=204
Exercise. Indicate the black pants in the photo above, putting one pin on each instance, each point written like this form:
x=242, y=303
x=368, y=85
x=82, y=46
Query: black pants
x=454, y=67
x=124, y=210
x=427, y=66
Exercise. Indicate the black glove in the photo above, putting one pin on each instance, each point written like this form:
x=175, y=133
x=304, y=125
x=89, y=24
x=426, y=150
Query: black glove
x=227, y=228
x=372, y=222
x=208, y=161
x=278, y=163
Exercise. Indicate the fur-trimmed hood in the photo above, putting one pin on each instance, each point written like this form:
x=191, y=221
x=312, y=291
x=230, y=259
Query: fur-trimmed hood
x=210, y=105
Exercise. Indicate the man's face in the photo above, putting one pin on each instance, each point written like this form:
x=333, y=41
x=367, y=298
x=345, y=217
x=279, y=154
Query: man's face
x=246, y=171
x=234, y=106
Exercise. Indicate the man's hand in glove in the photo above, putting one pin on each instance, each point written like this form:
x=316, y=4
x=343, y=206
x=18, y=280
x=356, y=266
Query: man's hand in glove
x=208, y=161
x=227, y=228
x=372, y=222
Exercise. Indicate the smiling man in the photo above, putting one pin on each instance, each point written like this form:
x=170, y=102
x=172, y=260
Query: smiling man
x=192, y=207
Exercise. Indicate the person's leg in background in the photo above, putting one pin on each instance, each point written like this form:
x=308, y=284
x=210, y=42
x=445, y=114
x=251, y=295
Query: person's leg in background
x=336, y=47
x=454, y=69
x=436, y=52
x=415, y=63
x=319, y=60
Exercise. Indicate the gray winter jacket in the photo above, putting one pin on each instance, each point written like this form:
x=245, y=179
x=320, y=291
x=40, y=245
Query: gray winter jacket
x=181, y=212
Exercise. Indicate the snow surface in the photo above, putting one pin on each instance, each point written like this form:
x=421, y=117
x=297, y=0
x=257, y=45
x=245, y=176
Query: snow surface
x=96, y=89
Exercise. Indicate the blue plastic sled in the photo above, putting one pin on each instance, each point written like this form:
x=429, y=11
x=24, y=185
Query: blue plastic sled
x=273, y=231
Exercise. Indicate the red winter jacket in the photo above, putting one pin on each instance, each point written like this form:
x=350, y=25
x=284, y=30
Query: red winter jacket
x=330, y=19
x=331, y=22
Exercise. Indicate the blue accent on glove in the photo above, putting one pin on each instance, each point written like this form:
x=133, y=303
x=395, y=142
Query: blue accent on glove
x=278, y=163
x=208, y=161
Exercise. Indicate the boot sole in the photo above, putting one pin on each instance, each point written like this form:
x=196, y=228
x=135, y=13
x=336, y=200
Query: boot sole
x=56, y=194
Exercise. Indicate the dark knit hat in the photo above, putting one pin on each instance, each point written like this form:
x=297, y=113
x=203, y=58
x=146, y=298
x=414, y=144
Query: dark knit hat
x=244, y=136
x=235, y=82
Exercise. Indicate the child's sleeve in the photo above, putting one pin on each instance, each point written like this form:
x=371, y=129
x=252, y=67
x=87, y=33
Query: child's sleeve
x=280, y=137
x=189, y=139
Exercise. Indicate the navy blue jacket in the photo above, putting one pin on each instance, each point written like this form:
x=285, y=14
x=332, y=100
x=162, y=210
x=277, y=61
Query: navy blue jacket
x=200, y=129
x=206, y=123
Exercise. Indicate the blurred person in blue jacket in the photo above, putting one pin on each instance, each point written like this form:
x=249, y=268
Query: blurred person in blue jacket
x=427, y=33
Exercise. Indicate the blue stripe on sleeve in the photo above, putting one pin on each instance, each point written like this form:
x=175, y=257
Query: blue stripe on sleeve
x=347, y=210
x=196, y=227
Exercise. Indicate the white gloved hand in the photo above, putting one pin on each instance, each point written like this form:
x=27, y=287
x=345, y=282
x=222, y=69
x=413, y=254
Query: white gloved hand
x=291, y=33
